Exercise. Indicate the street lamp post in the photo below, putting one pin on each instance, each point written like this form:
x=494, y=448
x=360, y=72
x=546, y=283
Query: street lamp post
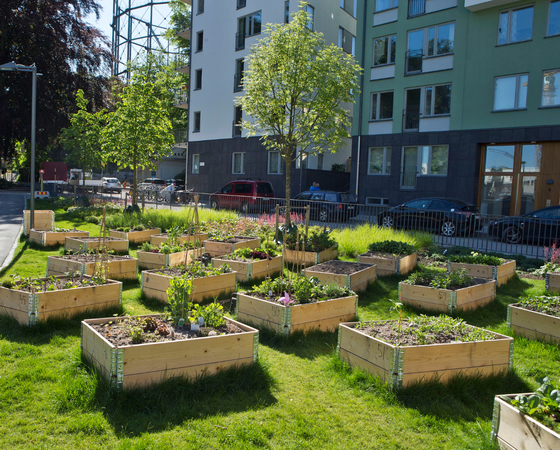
x=13, y=67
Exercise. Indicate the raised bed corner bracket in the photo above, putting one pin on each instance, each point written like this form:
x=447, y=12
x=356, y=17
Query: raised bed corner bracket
x=495, y=420
x=117, y=368
x=33, y=308
x=397, y=367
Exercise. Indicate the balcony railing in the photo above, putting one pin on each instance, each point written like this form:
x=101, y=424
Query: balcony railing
x=237, y=85
x=180, y=135
x=413, y=63
x=411, y=120
x=181, y=97
x=239, y=41
x=416, y=8
x=236, y=132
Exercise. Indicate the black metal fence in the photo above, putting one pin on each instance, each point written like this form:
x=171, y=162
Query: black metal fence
x=527, y=236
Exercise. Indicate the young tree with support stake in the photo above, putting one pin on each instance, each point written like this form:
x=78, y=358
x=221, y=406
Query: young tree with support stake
x=139, y=130
x=295, y=87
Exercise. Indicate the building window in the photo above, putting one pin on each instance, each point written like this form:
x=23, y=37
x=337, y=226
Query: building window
x=441, y=39
x=437, y=100
x=383, y=5
x=195, y=164
x=382, y=105
x=347, y=41
x=350, y=6
x=238, y=77
x=238, y=163
x=200, y=7
x=516, y=25
x=311, y=11
x=274, y=161
x=384, y=50
x=551, y=88
x=237, y=121
x=196, y=126
x=199, y=41
x=320, y=161
x=241, y=4
x=198, y=79
x=287, y=12
x=378, y=201
x=431, y=160
x=553, y=19
x=511, y=92
x=247, y=26
x=379, y=161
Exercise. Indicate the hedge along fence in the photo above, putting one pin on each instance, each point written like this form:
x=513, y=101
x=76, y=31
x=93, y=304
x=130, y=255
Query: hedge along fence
x=356, y=241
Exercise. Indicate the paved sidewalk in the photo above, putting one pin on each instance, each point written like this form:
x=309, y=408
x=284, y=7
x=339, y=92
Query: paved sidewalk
x=12, y=204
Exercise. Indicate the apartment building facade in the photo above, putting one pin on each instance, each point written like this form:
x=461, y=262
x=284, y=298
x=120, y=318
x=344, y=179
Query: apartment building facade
x=461, y=98
x=222, y=33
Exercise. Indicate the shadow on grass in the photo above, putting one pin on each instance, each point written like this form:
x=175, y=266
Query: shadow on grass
x=310, y=345
x=61, y=325
x=152, y=303
x=159, y=407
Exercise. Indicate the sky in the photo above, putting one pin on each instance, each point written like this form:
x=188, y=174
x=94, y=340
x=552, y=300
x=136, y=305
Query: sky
x=105, y=18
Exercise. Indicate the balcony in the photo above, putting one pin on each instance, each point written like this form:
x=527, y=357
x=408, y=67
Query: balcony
x=181, y=98
x=183, y=69
x=185, y=34
x=239, y=41
x=413, y=62
x=411, y=119
x=187, y=2
x=180, y=135
x=478, y=5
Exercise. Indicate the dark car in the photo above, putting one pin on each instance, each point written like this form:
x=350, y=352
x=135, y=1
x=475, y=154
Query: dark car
x=179, y=184
x=244, y=195
x=541, y=226
x=326, y=206
x=448, y=216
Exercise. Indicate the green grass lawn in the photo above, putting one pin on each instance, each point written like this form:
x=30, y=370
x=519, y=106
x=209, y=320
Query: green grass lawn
x=299, y=395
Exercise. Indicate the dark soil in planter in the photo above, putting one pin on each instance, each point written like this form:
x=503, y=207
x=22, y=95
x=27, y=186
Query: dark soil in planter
x=551, y=310
x=130, y=230
x=255, y=256
x=339, y=267
x=474, y=282
x=383, y=255
x=385, y=331
x=97, y=238
x=234, y=240
x=89, y=258
x=274, y=299
x=174, y=271
x=58, y=283
x=157, y=330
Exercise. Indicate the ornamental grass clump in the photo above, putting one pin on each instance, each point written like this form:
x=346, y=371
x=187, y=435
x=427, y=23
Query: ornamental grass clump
x=477, y=258
x=453, y=279
x=393, y=247
x=542, y=304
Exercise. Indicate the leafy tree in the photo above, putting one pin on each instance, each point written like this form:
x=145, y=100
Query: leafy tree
x=83, y=137
x=139, y=130
x=295, y=86
x=69, y=53
x=180, y=20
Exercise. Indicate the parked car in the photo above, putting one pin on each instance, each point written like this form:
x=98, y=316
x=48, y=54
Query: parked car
x=541, y=226
x=150, y=182
x=110, y=185
x=180, y=184
x=244, y=195
x=326, y=206
x=448, y=216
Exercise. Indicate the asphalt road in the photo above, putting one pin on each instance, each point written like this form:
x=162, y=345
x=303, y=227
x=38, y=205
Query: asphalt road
x=11, y=222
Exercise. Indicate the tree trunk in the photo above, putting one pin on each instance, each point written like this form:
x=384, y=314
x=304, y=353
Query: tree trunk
x=134, y=181
x=288, y=162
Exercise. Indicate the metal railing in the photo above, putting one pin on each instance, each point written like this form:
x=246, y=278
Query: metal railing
x=237, y=127
x=180, y=135
x=413, y=62
x=181, y=97
x=239, y=41
x=411, y=120
x=237, y=85
x=416, y=7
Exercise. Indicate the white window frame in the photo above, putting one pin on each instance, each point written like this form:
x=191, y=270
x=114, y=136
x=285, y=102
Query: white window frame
x=548, y=18
x=419, y=153
x=195, y=169
x=378, y=106
x=423, y=102
x=387, y=151
x=311, y=11
x=242, y=155
x=557, y=76
x=279, y=168
x=426, y=39
x=508, y=32
x=394, y=4
x=389, y=46
x=516, y=94
x=377, y=201
x=341, y=31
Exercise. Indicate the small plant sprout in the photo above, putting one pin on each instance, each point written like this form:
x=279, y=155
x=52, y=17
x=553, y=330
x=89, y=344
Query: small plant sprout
x=398, y=306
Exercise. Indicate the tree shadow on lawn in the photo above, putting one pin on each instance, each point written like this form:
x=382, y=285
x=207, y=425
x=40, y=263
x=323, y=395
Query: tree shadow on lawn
x=310, y=345
x=158, y=407
x=462, y=398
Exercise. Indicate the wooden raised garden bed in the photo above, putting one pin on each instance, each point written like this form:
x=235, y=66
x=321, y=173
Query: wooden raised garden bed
x=151, y=260
x=552, y=282
x=159, y=239
x=251, y=270
x=404, y=365
x=155, y=285
x=44, y=220
x=325, y=315
x=219, y=248
x=82, y=245
x=49, y=238
x=310, y=258
x=502, y=273
x=446, y=300
x=516, y=431
x=388, y=265
x=144, y=364
x=135, y=237
x=29, y=309
x=533, y=324
x=356, y=276
x=120, y=267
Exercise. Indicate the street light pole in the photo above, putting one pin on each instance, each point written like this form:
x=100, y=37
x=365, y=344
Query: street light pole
x=13, y=67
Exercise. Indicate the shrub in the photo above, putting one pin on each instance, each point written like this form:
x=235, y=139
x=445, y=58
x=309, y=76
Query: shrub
x=394, y=247
x=442, y=280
